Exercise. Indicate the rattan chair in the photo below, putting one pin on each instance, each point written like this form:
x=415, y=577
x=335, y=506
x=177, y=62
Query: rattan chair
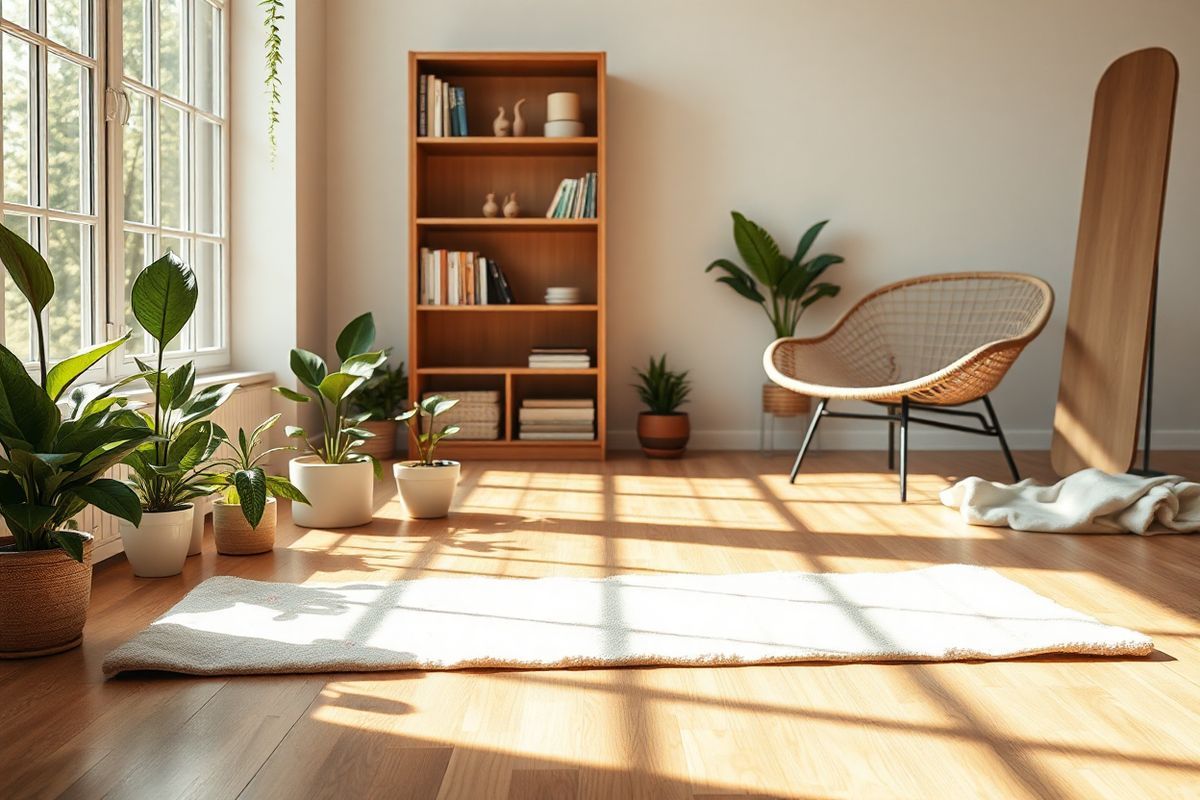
x=933, y=343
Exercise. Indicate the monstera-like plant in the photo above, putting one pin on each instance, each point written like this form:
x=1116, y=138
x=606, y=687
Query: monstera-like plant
x=56, y=444
x=167, y=472
x=335, y=475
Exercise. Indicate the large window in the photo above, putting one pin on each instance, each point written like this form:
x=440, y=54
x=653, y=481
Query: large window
x=114, y=152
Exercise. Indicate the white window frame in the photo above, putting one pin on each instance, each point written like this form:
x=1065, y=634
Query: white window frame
x=103, y=309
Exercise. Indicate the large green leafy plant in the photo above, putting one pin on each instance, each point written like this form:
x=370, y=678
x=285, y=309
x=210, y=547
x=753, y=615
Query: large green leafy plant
x=168, y=471
x=53, y=464
x=785, y=286
x=427, y=440
x=334, y=392
x=662, y=390
x=382, y=397
x=244, y=478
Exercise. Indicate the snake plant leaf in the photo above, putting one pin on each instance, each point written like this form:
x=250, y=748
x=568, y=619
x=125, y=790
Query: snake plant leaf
x=757, y=248
x=28, y=270
x=292, y=394
x=806, y=241
x=67, y=371
x=71, y=542
x=163, y=297
x=26, y=412
x=308, y=367
x=337, y=386
x=113, y=497
x=356, y=338
x=251, y=485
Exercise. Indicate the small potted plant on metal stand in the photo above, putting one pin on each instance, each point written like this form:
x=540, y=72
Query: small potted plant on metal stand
x=245, y=514
x=381, y=399
x=53, y=468
x=336, y=477
x=427, y=484
x=662, y=429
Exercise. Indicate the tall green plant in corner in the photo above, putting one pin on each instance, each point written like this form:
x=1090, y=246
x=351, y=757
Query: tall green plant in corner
x=52, y=465
x=788, y=285
x=274, y=16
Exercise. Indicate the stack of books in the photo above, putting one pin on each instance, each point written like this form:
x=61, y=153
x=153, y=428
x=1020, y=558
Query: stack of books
x=559, y=358
x=459, y=278
x=557, y=418
x=441, y=108
x=575, y=199
x=477, y=414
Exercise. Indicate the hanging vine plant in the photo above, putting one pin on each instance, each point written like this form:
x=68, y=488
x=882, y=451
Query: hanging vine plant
x=274, y=16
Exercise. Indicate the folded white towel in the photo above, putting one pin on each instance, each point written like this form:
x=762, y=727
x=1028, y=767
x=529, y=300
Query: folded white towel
x=1090, y=501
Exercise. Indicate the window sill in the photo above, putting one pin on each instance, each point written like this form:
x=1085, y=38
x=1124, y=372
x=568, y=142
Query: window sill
x=214, y=377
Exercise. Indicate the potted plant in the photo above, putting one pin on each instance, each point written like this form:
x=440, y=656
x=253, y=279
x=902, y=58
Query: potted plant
x=167, y=472
x=662, y=429
x=244, y=516
x=53, y=464
x=427, y=484
x=335, y=476
x=788, y=287
x=381, y=399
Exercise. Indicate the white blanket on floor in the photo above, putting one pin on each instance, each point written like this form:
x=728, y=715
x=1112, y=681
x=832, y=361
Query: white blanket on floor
x=1090, y=501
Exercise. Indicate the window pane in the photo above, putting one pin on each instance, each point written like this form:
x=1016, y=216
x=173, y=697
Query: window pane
x=135, y=261
x=208, y=307
x=16, y=11
x=208, y=177
x=208, y=57
x=180, y=248
x=137, y=151
x=19, y=166
x=134, y=40
x=70, y=257
x=68, y=135
x=16, y=308
x=171, y=61
x=172, y=148
x=68, y=23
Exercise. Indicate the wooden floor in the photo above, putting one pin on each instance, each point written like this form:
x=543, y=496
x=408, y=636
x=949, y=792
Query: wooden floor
x=1051, y=727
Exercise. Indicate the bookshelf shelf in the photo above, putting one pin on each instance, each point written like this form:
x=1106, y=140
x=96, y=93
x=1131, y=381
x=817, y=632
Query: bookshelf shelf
x=471, y=347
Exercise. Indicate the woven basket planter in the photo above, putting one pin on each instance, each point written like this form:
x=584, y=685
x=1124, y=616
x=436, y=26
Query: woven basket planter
x=233, y=534
x=780, y=402
x=383, y=446
x=44, y=598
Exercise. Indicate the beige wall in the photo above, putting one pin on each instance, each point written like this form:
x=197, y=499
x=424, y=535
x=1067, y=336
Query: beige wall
x=936, y=135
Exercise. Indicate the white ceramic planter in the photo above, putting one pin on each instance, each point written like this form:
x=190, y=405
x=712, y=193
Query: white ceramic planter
x=203, y=506
x=426, y=491
x=158, y=547
x=339, y=495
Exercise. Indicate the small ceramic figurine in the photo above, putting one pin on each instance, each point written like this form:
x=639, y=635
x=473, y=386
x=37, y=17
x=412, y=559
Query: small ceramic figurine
x=490, y=209
x=511, y=209
x=518, y=123
x=500, y=124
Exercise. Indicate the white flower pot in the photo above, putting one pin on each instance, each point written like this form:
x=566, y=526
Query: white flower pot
x=339, y=495
x=203, y=506
x=427, y=491
x=158, y=547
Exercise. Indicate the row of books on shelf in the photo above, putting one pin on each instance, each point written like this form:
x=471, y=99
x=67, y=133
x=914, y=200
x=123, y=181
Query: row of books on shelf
x=441, y=108
x=547, y=419
x=559, y=358
x=461, y=278
x=574, y=199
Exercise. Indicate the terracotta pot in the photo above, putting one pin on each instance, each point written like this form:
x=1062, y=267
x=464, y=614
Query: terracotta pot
x=158, y=546
x=383, y=446
x=426, y=491
x=44, y=598
x=780, y=402
x=663, y=435
x=233, y=534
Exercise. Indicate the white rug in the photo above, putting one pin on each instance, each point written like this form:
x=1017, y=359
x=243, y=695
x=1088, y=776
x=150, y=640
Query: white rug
x=954, y=612
x=1089, y=501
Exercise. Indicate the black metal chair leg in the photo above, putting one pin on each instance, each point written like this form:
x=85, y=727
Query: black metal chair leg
x=903, y=449
x=812, y=429
x=1012, y=465
x=891, y=410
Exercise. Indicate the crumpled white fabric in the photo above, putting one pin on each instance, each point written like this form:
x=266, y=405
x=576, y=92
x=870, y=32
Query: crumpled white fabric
x=1090, y=501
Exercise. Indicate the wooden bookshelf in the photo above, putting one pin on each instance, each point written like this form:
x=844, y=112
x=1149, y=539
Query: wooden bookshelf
x=487, y=346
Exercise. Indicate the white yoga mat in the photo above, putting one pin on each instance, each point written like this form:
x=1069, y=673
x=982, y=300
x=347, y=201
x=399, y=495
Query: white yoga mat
x=953, y=612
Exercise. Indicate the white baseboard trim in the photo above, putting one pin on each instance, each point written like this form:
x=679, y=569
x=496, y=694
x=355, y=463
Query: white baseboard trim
x=831, y=436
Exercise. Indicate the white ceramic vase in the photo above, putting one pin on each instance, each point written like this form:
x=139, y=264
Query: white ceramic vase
x=339, y=495
x=158, y=546
x=426, y=491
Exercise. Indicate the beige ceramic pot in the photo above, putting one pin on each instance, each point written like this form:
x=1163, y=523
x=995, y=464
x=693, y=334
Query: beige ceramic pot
x=234, y=535
x=427, y=491
x=339, y=495
x=44, y=598
x=157, y=547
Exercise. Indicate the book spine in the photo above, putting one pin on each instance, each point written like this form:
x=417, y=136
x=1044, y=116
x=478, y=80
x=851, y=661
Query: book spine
x=436, y=110
x=554, y=202
x=423, y=292
x=483, y=281
x=443, y=278
x=422, y=105
x=505, y=289
x=446, y=110
x=452, y=99
x=460, y=95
